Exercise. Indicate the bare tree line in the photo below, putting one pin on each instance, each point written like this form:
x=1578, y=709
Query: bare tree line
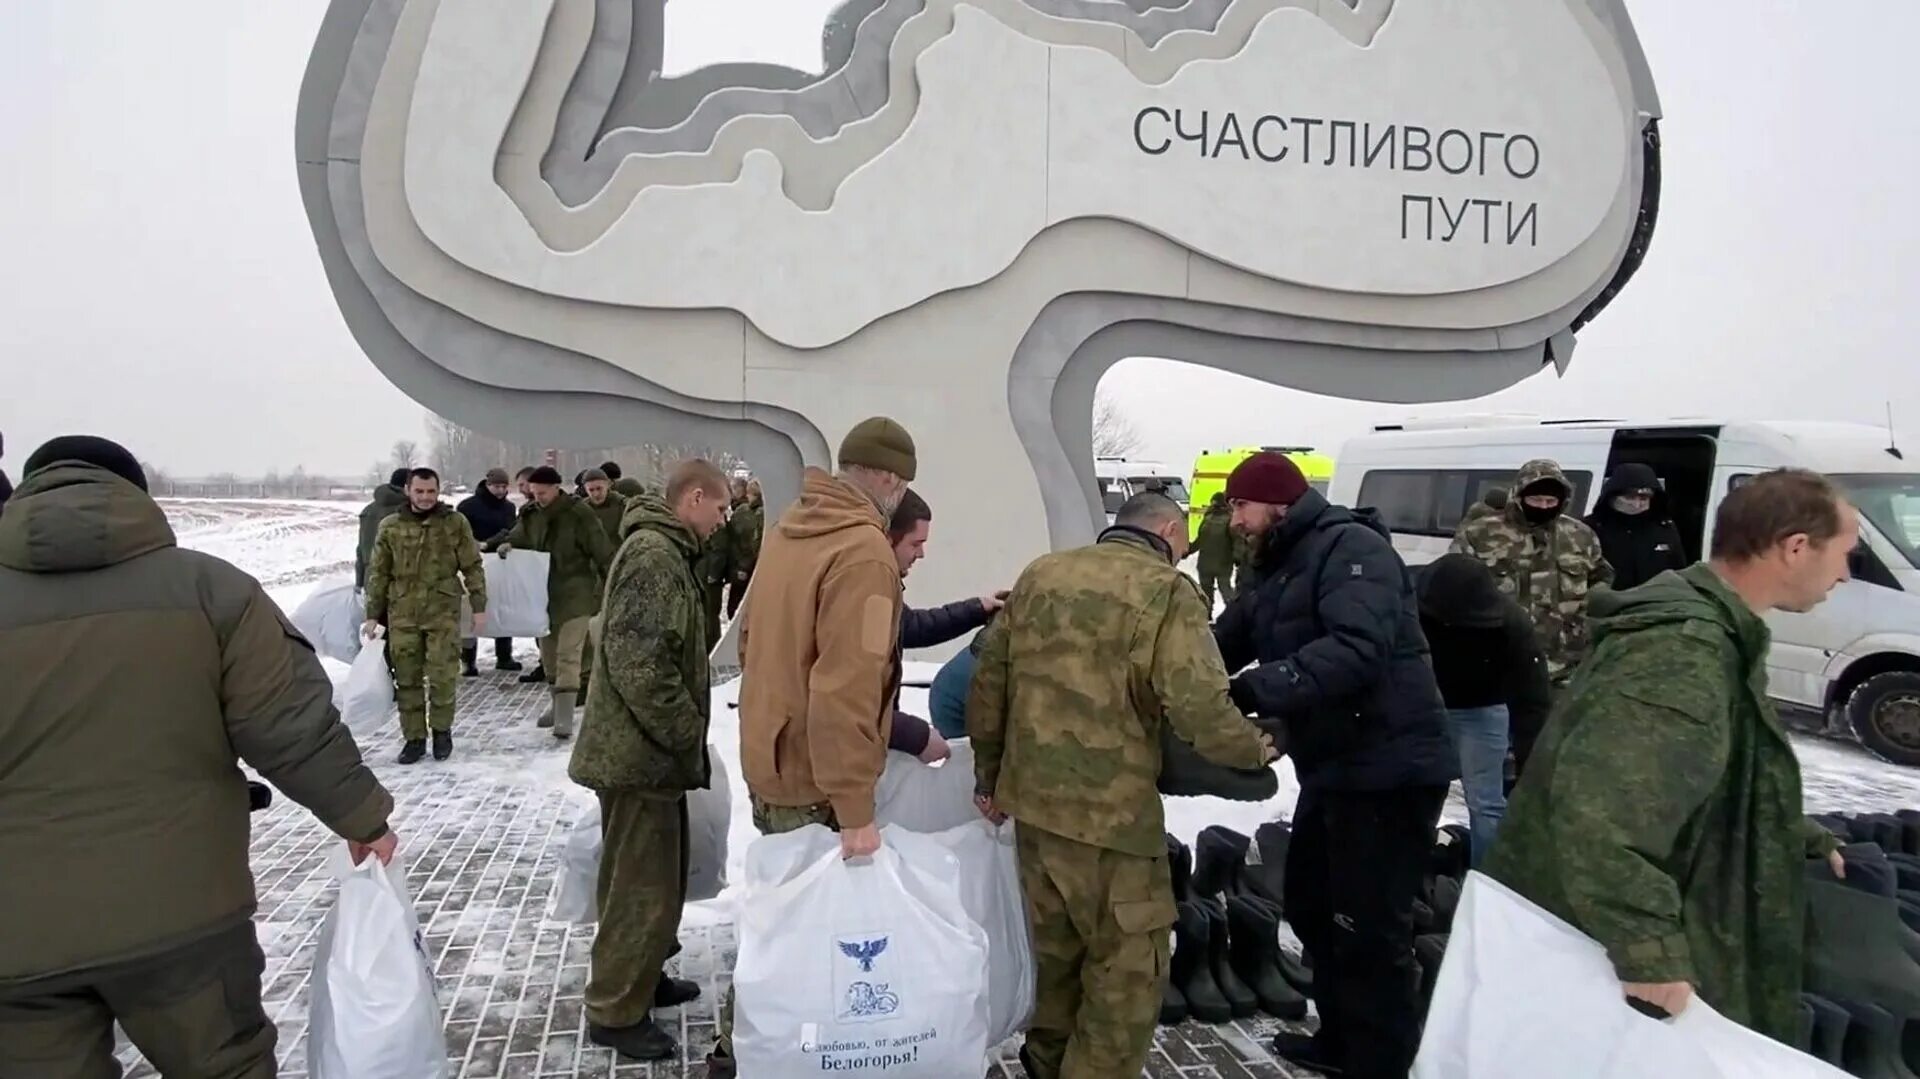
x=463, y=455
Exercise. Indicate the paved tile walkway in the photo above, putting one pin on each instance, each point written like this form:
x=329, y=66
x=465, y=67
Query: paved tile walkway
x=482, y=835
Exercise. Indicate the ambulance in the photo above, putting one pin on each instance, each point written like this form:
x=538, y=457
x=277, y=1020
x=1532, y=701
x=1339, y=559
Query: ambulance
x=1211, y=468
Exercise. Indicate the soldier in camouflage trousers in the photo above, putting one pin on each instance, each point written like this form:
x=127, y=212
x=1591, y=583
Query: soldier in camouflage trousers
x=1219, y=552
x=1543, y=556
x=642, y=747
x=1095, y=650
x=424, y=560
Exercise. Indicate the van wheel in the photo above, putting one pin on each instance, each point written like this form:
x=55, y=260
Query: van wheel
x=1885, y=712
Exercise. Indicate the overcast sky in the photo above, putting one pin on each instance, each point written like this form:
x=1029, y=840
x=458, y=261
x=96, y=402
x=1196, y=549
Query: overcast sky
x=159, y=283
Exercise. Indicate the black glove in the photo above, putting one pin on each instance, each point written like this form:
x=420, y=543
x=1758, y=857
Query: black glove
x=1242, y=695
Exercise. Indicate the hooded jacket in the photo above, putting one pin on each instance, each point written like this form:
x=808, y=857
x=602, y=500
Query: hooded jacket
x=491, y=517
x=137, y=675
x=387, y=501
x=1548, y=568
x=647, y=706
x=1639, y=547
x=817, y=654
x=1332, y=626
x=1484, y=650
x=1662, y=813
x=580, y=554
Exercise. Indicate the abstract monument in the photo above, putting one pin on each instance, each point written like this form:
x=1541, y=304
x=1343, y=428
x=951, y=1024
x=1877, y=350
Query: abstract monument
x=976, y=210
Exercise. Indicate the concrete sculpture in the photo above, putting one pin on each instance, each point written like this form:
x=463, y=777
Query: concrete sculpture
x=976, y=209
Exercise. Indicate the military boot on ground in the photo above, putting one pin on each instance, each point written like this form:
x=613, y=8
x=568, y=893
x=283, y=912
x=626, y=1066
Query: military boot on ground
x=1240, y=999
x=1218, y=855
x=469, y=654
x=413, y=751
x=673, y=992
x=561, y=718
x=533, y=677
x=1858, y=948
x=642, y=1041
x=1253, y=935
x=442, y=745
x=1192, y=967
x=503, y=655
x=1268, y=879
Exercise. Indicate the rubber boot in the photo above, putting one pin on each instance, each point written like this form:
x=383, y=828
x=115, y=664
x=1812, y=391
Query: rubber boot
x=1858, y=948
x=1268, y=879
x=1193, y=969
x=1803, y=1033
x=1428, y=951
x=1889, y=834
x=1180, y=868
x=1173, y=1006
x=1910, y=830
x=1446, y=900
x=1830, y=1023
x=563, y=714
x=1218, y=854
x=1872, y=1048
x=1424, y=921
x=468, y=654
x=1296, y=970
x=1253, y=936
x=1907, y=872
x=1220, y=952
x=503, y=655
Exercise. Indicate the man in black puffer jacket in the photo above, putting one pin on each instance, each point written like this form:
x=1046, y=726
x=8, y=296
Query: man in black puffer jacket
x=1331, y=626
x=492, y=515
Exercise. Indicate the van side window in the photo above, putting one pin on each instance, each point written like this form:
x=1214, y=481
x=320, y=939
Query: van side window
x=1432, y=502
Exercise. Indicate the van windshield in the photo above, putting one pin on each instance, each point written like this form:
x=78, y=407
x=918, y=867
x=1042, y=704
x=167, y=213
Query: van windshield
x=1892, y=502
x=1170, y=486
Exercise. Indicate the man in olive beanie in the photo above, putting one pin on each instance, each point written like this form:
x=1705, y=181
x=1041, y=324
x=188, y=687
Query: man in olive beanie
x=816, y=645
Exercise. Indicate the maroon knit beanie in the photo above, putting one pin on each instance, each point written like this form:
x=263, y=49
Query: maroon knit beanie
x=1267, y=477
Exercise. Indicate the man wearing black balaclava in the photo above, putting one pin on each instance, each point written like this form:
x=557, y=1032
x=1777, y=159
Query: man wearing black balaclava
x=1543, y=556
x=1637, y=535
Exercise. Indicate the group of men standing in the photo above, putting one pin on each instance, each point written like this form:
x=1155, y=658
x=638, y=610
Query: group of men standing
x=419, y=562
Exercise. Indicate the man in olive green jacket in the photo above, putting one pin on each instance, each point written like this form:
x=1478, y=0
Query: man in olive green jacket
x=388, y=499
x=579, y=554
x=1095, y=650
x=642, y=747
x=744, y=529
x=424, y=561
x=1660, y=813
x=138, y=676
x=609, y=506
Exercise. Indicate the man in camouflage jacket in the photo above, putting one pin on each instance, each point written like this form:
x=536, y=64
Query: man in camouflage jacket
x=579, y=554
x=642, y=747
x=1661, y=813
x=743, y=539
x=424, y=561
x=1218, y=550
x=1094, y=651
x=1543, y=556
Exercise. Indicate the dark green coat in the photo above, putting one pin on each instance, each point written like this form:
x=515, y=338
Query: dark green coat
x=743, y=537
x=387, y=501
x=1217, y=545
x=581, y=552
x=609, y=514
x=1660, y=813
x=715, y=563
x=647, y=705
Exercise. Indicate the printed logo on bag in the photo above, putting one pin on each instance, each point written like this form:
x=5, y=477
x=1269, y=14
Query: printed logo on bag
x=862, y=998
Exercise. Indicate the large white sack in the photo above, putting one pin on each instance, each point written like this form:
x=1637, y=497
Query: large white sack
x=709, y=816
x=860, y=969
x=924, y=797
x=516, y=594
x=1523, y=994
x=990, y=891
x=369, y=694
x=576, y=897
x=330, y=619
x=373, y=1013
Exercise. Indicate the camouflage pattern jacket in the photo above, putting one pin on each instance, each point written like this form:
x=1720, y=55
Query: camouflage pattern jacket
x=580, y=554
x=1549, y=569
x=1661, y=811
x=1096, y=649
x=647, y=705
x=1218, y=548
x=419, y=566
x=743, y=536
x=629, y=487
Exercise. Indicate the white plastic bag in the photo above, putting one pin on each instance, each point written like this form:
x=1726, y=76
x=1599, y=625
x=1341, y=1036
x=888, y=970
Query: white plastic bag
x=577, y=897
x=1523, y=994
x=709, y=818
x=990, y=890
x=330, y=620
x=858, y=969
x=369, y=693
x=373, y=1014
x=927, y=798
x=516, y=594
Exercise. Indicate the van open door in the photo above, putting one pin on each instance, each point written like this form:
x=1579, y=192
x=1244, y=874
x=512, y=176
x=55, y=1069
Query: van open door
x=1683, y=458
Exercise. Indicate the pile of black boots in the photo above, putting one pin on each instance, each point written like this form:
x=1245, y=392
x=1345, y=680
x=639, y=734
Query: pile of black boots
x=1861, y=1008
x=1433, y=908
x=1227, y=960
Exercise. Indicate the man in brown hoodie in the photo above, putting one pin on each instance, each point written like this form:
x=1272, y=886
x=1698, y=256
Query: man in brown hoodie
x=137, y=675
x=816, y=653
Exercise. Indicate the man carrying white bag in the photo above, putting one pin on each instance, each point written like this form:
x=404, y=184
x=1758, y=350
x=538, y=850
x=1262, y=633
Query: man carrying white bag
x=709, y=818
x=858, y=967
x=373, y=1014
x=517, y=594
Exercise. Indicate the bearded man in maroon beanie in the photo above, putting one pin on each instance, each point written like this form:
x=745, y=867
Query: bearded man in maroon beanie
x=1326, y=643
